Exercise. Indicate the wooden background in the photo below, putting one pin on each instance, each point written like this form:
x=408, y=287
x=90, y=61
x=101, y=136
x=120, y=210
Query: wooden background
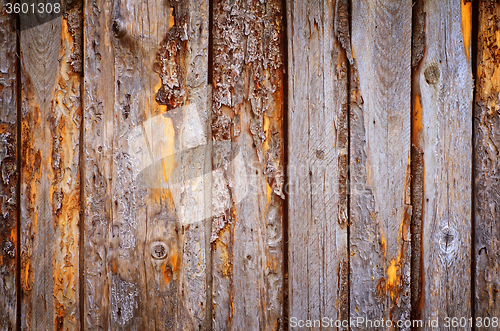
x=240, y=165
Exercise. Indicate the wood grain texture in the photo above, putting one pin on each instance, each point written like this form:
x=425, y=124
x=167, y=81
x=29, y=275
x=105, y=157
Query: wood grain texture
x=417, y=166
x=8, y=171
x=146, y=127
x=98, y=99
x=318, y=159
x=50, y=204
x=487, y=165
x=248, y=148
x=443, y=133
x=380, y=160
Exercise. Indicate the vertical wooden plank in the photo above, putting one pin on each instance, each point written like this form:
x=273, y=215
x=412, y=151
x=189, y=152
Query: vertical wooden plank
x=8, y=170
x=248, y=148
x=98, y=96
x=146, y=67
x=318, y=159
x=487, y=165
x=182, y=67
x=380, y=161
x=50, y=204
x=443, y=133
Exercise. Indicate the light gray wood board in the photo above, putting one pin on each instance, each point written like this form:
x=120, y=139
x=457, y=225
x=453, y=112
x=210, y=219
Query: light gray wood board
x=144, y=227
x=8, y=170
x=380, y=160
x=445, y=83
x=487, y=162
x=247, y=238
x=318, y=159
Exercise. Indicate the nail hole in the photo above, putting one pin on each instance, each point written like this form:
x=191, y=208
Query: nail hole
x=159, y=250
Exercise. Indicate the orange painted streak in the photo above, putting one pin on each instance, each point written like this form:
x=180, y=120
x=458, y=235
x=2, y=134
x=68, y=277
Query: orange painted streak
x=392, y=273
x=13, y=235
x=174, y=261
x=417, y=120
x=384, y=245
x=466, y=13
x=269, y=192
x=392, y=278
x=26, y=281
x=225, y=257
x=171, y=19
x=4, y=128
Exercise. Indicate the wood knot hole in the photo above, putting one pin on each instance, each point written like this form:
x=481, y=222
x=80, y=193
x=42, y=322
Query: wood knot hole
x=432, y=74
x=159, y=250
x=448, y=244
x=320, y=154
x=118, y=29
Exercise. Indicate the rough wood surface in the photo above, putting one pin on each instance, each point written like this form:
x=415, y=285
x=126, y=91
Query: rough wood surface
x=146, y=68
x=98, y=99
x=184, y=183
x=380, y=160
x=318, y=159
x=247, y=195
x=487, y=165
x=417, y=167
x=8, y=171
x=50, y=204
x=443, y=131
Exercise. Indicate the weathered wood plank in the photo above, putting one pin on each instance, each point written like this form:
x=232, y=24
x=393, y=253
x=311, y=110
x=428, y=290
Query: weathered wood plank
x=182, y=65
x=146, y=127
x=487, y=162
x=248, y=149
x=8, y=170
x=318, y=159
x=443, y=133
x=98, y=99
x=380, y=160
x=50, y=204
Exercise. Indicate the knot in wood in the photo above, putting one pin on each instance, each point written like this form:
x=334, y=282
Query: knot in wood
x=448, y=244
x=159, y=250
x=432, y=74
x=118, y=28
x=320, y=154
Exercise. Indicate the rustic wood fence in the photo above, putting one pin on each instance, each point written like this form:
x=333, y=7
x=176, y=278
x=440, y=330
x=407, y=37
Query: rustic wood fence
x=250, y=165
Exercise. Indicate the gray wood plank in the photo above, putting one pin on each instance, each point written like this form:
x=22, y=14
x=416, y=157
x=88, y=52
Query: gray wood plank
x=487, y=163
x=318, y=159
x=146, y=136
x=247, y=234
x=9, y=171
x=445, y=138
x=98, y=97
x=380, y=161
x=50, y=186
